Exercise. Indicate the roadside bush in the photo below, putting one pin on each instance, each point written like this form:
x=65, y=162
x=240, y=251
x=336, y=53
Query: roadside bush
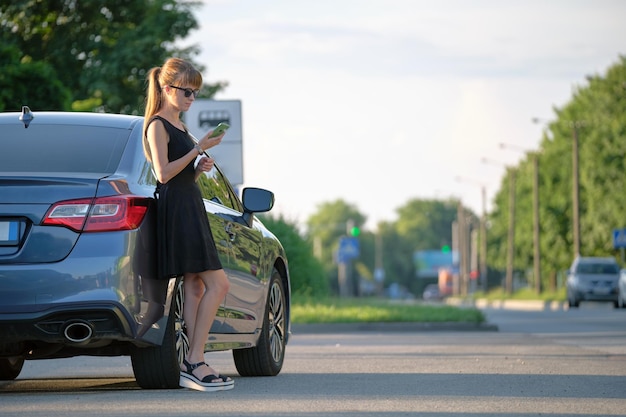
x=306, y=271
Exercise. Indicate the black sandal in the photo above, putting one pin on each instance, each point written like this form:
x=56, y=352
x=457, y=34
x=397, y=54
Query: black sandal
x=189, y=380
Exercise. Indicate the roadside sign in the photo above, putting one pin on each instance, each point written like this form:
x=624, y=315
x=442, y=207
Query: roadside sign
x=348, y=249
x=619, y=238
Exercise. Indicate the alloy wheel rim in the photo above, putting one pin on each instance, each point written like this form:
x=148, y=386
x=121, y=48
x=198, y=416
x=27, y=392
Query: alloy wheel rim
x=276, y=328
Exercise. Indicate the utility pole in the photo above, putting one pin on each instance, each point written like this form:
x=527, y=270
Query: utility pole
x=575, y=189
x=511, y=245
x=575, y=125
x=483, y=231
x=462, y=249
x=508, y=282
x=536, y=223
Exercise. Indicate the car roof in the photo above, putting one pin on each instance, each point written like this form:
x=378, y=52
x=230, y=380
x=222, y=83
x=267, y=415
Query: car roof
x=122, y=121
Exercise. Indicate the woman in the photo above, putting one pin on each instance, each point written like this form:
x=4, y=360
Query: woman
x=185, y=243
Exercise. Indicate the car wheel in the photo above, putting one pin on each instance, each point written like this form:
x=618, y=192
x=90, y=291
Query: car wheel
x=10, y=368
x=158, y=367
x=266, y=358
x=573, y=303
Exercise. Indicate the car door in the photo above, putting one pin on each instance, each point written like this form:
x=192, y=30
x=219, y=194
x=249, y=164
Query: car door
x=244, y=304
x=246, y=299
x=219, y=216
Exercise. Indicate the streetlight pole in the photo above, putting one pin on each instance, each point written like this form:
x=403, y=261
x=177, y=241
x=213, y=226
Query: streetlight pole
x=575, y=188
x=483, y=231
x=575, y=125
x=536, y=223
x=508, y=283
x=511, y=245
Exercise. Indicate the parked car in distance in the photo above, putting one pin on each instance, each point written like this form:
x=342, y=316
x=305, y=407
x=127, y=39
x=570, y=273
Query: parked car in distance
x=592, y=279
x=77, y=254
x=432, y=293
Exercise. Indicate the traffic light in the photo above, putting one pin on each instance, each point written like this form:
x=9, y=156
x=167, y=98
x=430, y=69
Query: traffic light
x=352, y=229
x=445, y=249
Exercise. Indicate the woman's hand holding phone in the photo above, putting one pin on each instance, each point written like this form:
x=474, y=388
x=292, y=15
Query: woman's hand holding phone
x=219, y=130
x=214, y=137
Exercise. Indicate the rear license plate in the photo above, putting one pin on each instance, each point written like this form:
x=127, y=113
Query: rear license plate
x=9, y=233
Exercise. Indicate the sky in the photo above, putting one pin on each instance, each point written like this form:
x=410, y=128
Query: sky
x=378, y=102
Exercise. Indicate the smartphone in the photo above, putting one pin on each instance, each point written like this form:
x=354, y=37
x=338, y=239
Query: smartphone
x=219, y=129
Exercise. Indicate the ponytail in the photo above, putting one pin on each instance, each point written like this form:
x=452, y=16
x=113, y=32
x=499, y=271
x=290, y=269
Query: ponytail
x=173, y=72
x=153, y=105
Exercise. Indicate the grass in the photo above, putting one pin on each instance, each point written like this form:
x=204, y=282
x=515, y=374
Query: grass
x=374, y=310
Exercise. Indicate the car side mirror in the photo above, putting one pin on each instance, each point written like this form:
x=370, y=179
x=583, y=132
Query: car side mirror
x=257, y=200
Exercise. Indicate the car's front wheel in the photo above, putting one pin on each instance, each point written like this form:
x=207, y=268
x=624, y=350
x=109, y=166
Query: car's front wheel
x=10, y=368
x=621, y=301
x=266, y=358
x=158, y=367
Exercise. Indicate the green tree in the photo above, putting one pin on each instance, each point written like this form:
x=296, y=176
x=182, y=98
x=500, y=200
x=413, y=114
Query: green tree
x=306, y=272
x=426, y=224
x=326, y=226
x=32, y=83
x=596, y=114
x=101, y=50
x=422, y=224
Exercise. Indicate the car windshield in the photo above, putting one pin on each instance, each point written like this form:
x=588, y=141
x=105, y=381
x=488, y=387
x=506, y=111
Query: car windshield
x=597, y=269
x=61, y=148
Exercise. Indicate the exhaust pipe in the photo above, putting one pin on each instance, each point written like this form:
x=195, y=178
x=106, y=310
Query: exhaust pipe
x=77, y=331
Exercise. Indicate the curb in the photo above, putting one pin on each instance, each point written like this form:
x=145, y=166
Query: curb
x=314, y=328
x=525, y=305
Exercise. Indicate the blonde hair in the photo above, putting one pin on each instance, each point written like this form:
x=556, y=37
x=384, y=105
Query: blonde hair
x=174, y=71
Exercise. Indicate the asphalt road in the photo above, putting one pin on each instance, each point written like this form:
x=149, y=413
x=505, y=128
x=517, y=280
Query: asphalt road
x=543, y=362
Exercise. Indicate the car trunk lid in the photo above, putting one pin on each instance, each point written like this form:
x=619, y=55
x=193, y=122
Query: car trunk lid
x=24, y=201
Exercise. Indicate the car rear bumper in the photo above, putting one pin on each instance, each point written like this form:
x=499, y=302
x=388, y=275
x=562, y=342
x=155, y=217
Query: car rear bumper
x=97, y=299
x=73, y=325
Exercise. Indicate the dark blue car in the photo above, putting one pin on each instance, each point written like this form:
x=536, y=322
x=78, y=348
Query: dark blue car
x=77, y=254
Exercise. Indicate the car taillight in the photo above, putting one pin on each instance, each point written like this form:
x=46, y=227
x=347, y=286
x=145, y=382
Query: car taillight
x=124, y=212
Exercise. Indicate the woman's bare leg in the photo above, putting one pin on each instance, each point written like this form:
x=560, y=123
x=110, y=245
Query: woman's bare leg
x=206, y=292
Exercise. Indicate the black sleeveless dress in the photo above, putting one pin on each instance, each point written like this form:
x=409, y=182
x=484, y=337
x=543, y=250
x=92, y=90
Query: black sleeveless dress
x=184, y=239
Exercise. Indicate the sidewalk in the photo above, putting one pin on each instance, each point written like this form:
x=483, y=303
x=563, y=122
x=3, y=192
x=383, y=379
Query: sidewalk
x=525, y=305
x=390, y=327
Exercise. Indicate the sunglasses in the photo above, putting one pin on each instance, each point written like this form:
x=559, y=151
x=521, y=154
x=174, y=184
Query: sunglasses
x=188, y=91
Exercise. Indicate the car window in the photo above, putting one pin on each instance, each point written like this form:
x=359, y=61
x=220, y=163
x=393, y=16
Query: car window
x=597, y=269
x=61, y=148
x=215, y=187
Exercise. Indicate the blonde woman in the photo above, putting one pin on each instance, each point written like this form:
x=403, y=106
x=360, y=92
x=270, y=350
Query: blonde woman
x=185, y=243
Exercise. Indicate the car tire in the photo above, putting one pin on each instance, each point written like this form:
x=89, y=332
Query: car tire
x=266, y=358
x=158, y=367
x=573, y=303
x=10, y=368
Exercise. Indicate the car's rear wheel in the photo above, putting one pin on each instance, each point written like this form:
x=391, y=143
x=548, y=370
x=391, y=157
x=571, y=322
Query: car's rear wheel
x=10, y=368
x=158, y=367
x=266, y=358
